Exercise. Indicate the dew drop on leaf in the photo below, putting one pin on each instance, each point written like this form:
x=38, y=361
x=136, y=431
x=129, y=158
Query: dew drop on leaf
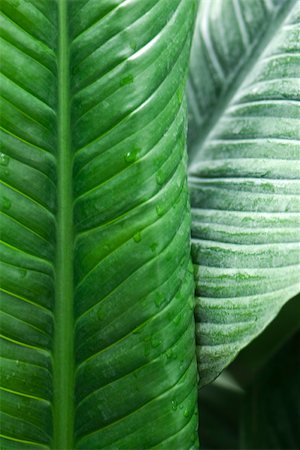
x=186, y=413
x=160, y=178
x=132, y=155
x=154, y=246
x=127, y=80
x=137, y=237
x=174, y=404
x=6, y=204
x=4, y=159
x=169, y=353
x=159, y=298
x=133, y=45
x=159, y=210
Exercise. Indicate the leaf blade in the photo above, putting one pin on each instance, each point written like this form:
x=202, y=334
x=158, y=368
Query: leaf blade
x=244, y=187
x=28, y=202
x=136, y=149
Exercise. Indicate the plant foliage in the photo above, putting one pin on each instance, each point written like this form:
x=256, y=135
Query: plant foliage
x=93, y=169
x=244, y=172
x=97, y=283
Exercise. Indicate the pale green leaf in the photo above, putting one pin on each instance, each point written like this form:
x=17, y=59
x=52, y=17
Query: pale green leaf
x=244, y=181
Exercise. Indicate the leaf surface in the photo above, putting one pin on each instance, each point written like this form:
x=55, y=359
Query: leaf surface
x=228, y=36
x=98, y=332
x=244, y=181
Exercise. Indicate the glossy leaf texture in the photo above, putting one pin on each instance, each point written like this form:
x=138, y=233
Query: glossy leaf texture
x=28, y=225
x=94, y=125
x=244, y=181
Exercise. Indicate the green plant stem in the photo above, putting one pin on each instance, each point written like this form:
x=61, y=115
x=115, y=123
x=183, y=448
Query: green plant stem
x=63, y=337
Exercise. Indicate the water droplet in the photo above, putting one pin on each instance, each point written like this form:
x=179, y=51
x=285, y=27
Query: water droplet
x=132, y=155
x=159, y=210
x=174, y=404
x=169, y=353
x=186, y=413
x=180, y=406
x=154, y=246
x=133, y=44
x=127, y=80
x=155, y=341
x=137, y=237
x=159, y=298
x=160, y=177
x=4, y=159
x=6, y=203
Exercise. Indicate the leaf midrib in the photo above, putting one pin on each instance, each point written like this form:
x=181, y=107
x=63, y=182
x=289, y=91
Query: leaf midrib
x=238, y=80
x=63, y=353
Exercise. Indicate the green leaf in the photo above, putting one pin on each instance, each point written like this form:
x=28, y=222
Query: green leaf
x=259, y=352
x=244, y=181
x=272, y=405
x=228, y=36
x=98, y=331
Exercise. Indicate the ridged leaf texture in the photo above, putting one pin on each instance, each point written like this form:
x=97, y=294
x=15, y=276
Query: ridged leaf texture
x=97, y=321
x=244, y=172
